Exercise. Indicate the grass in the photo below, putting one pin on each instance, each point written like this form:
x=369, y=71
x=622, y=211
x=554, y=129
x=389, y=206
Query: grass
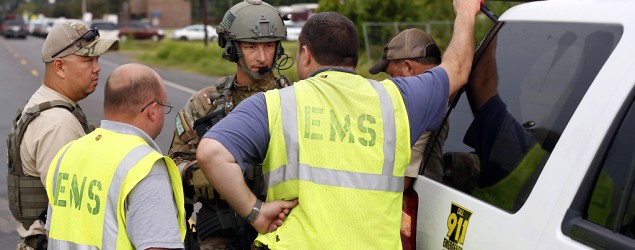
x=195, y=57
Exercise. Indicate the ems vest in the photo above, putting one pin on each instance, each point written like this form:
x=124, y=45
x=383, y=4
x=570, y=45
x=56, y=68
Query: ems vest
x=88, y=183
x=340, y=144
x=27, y=197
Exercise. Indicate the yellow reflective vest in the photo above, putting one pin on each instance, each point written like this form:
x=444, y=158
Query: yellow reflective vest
x=340, y=144
x=95, y=195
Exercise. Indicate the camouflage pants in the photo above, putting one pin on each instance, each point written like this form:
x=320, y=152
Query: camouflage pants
x=22, y=245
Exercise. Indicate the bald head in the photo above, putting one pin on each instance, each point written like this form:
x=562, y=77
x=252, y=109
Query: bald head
x=129, y=88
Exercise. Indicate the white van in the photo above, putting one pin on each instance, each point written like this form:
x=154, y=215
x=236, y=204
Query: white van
x=557, y=150
x=107, y=29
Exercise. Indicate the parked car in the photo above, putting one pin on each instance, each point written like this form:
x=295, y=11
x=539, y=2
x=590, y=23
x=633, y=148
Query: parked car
x=293, y=30
x=194, y=32
x=139, y=30
x=32, y=26
x=14, y=28
x=43, y=26
x=562, y=174
x=107, y=29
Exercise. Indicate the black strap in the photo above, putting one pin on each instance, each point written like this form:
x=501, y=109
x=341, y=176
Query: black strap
x=225, y=103
x=223, y=106
x=203, y=124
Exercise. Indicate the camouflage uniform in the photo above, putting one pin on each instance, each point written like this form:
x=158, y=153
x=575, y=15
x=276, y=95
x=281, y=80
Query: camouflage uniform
x=185, y=142
x=217, y=225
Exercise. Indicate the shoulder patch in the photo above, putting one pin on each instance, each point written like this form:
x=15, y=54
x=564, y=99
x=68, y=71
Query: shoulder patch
x=179, y=126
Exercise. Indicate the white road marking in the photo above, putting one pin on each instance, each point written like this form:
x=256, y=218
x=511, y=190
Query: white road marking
x=166, y=82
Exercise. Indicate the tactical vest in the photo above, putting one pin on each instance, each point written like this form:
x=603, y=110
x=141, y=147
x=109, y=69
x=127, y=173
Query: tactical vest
x=340, y=144
x=27, y=197
x=224, y=103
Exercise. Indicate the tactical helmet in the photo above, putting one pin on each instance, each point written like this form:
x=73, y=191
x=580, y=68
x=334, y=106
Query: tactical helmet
x=251, y=21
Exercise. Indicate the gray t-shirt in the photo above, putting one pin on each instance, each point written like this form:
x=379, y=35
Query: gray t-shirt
x=150, y=205
x=147, y=223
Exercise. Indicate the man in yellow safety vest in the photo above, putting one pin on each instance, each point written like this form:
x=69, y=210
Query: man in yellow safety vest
x=334, y=146
x=113, y=189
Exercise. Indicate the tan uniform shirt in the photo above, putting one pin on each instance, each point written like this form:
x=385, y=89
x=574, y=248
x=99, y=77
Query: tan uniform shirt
x=43, y=138
x=434, y=170
x=417, y=155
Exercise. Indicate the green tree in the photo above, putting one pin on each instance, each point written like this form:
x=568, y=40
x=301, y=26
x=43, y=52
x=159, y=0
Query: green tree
x=403, y=14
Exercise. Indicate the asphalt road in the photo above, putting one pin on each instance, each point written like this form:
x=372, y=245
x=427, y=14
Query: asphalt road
x=21, y=74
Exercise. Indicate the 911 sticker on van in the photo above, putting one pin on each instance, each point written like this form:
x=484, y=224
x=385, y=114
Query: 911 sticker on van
x=458, y=220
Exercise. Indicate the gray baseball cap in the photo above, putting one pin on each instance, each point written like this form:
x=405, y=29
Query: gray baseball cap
x=408, y=44
x=69, y=33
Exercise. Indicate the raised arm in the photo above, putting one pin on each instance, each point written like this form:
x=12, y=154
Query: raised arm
x=483, y=83
x=457, y=59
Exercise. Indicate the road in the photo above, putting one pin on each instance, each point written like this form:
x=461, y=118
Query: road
x=21, y=74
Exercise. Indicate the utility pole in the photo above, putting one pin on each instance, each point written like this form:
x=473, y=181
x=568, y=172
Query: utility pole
x=129, y=11
x=205, y=21
x=83, y=8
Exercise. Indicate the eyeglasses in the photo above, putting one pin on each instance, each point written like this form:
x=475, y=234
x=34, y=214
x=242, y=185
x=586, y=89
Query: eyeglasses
x=167, y=105
x=89, y=36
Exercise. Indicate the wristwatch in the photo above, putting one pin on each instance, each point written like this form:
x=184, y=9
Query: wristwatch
x=255, y=211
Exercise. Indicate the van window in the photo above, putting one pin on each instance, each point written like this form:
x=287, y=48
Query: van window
x=602, y=214
x=612, y=200
x=522, y=92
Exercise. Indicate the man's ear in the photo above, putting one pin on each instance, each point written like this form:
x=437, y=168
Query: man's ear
x=59, y=67
x=410, y=67
x=307, y=57
x=153, y=112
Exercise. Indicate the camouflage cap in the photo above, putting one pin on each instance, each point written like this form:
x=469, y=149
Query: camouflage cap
x=69, y=33
x=408, y=44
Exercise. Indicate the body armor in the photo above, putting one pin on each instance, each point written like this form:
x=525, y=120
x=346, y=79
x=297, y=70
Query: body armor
x=27, y=196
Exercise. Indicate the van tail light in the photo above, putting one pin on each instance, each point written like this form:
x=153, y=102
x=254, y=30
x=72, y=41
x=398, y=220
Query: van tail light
x=409, y=219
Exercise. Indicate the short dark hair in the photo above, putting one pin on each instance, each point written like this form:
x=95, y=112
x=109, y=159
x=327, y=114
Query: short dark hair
x=331, y=38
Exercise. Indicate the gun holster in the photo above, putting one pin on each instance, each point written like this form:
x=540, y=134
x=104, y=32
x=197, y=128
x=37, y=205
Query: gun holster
x=223, y=222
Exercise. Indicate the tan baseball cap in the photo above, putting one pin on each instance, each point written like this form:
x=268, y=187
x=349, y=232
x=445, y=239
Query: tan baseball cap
x=408, y=44
x=68, y=32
